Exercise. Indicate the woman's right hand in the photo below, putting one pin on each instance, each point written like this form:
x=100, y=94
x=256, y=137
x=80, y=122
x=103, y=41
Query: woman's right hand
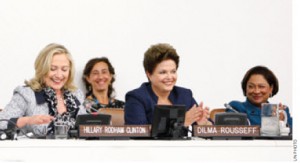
x=197, y=114
x=192, y=116
x=34, y=120
x=40, y=119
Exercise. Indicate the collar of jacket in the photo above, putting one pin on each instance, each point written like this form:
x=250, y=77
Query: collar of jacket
x=153, y=95
x=40, y=97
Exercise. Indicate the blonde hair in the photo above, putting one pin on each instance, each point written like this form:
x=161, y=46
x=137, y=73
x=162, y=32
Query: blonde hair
x=42, y=66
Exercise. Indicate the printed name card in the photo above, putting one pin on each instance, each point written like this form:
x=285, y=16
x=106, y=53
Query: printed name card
x=207, y=131
x=114, y=131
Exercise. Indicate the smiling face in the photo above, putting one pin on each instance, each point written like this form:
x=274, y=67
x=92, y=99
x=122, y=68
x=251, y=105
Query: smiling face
x=59, y=72
x=164, y=77
x=100, y=77
x=258, y=89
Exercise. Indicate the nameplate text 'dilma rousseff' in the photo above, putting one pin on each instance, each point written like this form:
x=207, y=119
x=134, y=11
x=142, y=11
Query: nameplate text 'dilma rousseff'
x=206, y=131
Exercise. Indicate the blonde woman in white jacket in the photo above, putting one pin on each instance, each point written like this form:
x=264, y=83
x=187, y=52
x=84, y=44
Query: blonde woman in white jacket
x=47, y=96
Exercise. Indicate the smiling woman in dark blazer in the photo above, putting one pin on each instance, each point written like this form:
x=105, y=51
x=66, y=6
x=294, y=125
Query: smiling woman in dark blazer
x=160, y=63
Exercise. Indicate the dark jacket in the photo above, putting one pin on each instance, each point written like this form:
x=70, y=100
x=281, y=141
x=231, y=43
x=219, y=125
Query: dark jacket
x=140, y=102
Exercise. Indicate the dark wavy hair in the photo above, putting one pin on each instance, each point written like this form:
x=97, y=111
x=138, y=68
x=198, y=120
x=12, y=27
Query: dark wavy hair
x=266, y=73
x=158, y=53
x=87, y=71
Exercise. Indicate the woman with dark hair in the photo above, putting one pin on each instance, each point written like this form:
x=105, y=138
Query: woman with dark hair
x=98, y=77
x=161, y=62
x=258, y=85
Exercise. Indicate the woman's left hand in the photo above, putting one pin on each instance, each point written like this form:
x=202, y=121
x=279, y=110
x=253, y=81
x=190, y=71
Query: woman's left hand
x=203, y=118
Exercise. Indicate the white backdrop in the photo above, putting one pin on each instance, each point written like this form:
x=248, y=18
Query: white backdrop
x=217, y=40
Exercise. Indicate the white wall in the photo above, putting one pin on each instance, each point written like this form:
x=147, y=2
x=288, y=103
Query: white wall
x=217, y=40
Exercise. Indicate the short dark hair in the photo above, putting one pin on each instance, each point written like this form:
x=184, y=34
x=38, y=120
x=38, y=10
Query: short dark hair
x=157, y=53
x=266, y=73
x=87, y=71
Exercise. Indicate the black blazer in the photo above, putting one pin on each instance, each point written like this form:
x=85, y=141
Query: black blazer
x=140, y=102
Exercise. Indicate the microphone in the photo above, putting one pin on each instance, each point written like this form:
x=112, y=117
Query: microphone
x=92, y=109
x=89, y=107
x=227, y=106
x=232, y=109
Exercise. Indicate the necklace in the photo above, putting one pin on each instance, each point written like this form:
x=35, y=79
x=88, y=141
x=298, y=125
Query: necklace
x=60, y=99
x=61, y=108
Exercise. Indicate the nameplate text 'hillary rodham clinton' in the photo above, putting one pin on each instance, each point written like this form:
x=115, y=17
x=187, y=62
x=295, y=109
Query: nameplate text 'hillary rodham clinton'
x=114, y=131
x=207, y=131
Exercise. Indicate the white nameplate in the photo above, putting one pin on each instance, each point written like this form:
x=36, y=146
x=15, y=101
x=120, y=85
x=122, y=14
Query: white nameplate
x=207, y=131
x=114, y=131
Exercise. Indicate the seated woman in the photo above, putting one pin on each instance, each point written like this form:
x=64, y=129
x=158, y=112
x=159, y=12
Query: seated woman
x=49, y=96
x=258, y=84
x=98, y=77
x=160, y=63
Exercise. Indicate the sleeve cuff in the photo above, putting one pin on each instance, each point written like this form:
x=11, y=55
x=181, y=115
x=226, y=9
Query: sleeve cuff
x=12, y=123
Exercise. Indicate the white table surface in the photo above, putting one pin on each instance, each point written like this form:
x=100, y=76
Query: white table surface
x=199, y=150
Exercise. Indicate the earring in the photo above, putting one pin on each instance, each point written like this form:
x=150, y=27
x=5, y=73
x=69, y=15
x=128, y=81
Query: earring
x=270, y=95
